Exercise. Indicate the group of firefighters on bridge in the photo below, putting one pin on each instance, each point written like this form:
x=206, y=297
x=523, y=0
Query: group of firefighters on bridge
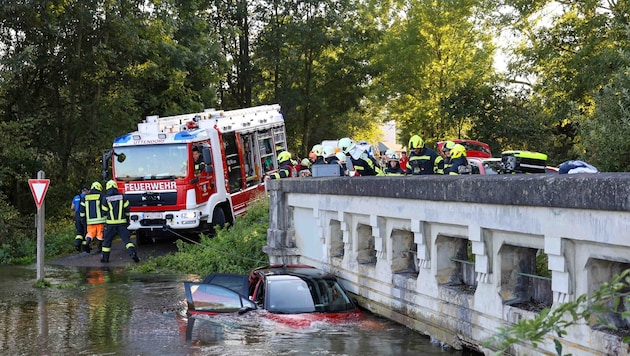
x=422, y=160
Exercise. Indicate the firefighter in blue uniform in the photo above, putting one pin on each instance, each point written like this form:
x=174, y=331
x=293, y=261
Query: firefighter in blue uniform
x=423, y=160
x=117, y=207
x=78, y=222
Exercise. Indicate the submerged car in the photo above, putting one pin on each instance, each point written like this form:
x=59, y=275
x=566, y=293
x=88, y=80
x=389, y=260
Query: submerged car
x=293, y=294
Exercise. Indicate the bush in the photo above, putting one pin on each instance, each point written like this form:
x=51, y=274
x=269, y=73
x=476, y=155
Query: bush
x=236, y=249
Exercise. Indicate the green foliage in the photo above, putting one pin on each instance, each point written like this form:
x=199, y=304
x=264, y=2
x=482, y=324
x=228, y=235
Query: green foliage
x=425, y=55
x=18, y=243
x=236, y=249
x=606, y=133
x=572, y=55
x=584, y=309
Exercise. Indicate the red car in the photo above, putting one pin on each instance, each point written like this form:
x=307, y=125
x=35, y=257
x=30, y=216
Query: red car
x=473, y=148
x=297, y=295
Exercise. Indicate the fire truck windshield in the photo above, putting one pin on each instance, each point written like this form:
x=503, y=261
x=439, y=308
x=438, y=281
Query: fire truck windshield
x=151, y=162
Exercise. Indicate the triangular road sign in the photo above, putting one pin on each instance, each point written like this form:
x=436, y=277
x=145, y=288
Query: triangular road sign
x=39, y=188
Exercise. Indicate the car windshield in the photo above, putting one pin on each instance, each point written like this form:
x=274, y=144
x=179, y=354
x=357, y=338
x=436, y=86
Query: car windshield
x=151, y=162
x=294, y=295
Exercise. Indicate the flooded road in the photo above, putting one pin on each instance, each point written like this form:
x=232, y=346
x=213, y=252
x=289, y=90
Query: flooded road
x=113, y=312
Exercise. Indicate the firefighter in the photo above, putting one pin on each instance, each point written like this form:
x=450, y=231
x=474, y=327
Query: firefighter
x=341, y=159
x=78, y=222
x=116, y=207
x=92, y=216
x=392, y=167
x=305, y=168
x=317, y=154
x=198, y=160
x=362, y=163
x=458, y=162
x=330, y=157
x=285, y=167
x=446, y=153
x=423, y=160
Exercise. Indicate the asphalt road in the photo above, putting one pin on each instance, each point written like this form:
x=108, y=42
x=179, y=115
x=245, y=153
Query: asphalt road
x=119, y=257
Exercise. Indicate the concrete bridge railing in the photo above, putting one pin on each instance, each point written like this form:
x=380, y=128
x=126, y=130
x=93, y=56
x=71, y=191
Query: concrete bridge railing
x=457, y=257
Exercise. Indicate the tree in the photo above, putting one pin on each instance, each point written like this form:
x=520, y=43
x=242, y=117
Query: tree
x=572, y=52
x=430, y=49
x=77, y=74
x=312, y=58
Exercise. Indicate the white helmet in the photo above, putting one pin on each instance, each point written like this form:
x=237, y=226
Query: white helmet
x=341, y=157
x=391, y=155
x=346, y=144
x=317, y=150
x=328, y=151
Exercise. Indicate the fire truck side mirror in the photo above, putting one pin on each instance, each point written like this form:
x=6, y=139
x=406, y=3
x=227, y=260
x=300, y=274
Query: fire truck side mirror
x=207, y=159
x=121, y=157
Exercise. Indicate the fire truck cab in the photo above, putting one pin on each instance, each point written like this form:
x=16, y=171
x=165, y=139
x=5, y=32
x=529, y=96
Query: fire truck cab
x=169, y=189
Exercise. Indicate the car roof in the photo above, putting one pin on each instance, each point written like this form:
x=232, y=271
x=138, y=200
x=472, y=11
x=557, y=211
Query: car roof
x=294, y=270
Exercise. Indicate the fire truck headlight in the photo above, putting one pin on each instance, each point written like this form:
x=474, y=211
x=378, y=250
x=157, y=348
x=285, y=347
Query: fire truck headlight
x=189, y=215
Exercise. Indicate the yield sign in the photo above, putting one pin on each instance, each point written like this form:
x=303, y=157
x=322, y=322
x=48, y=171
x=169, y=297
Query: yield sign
x=39, y=188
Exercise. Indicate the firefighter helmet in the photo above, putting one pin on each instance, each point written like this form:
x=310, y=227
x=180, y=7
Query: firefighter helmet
x=328, y=151
x=391, y=155
x=415, y=142
x=317, y=150
x=97, y=186
x=305, y=162
x=341, y=157
x=284, y=156
x=346, y=144
x=448, y=145
x=458, y=151
x=111, y=184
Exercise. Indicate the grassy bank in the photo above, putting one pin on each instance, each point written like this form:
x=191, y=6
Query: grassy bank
x=237, y=249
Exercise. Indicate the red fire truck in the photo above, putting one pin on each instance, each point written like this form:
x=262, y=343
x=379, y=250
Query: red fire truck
x=169, y=190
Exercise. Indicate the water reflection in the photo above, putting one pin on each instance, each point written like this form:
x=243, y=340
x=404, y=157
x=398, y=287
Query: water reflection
x=109, y=311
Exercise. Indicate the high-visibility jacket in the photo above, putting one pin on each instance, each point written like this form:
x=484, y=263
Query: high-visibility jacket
x=427, y=162
x=363, y=164
x=91, y=209
x=116, y=207
x=285, y=170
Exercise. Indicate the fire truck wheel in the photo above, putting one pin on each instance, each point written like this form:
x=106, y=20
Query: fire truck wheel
x=218, y=217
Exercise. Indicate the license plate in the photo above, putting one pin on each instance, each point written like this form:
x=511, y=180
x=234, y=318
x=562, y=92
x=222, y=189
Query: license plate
x=153, y=215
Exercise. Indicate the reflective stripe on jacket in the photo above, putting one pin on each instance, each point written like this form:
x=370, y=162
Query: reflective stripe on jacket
x=117, y=209
x=427, y=162
x=91, y=209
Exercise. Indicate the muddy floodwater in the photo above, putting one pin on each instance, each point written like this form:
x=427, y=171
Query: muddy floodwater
x=108, y=311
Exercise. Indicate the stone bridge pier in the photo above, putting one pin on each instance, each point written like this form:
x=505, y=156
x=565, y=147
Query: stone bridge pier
x=457, y=257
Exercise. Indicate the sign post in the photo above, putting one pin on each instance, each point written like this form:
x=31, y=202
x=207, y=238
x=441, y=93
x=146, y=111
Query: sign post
x=39, y=187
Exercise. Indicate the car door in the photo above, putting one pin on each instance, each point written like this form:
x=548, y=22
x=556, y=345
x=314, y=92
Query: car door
x=203, y=298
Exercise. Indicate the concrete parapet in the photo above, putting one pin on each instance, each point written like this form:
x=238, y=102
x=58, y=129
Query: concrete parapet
x=457, y=257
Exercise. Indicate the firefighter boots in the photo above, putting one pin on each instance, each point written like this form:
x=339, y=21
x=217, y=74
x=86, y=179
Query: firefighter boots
x=105, y=257
x=86, y=245
x=100, y=246
x=77, y=243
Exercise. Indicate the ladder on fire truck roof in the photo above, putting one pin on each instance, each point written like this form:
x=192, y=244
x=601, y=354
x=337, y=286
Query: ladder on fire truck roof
x=244, y=120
